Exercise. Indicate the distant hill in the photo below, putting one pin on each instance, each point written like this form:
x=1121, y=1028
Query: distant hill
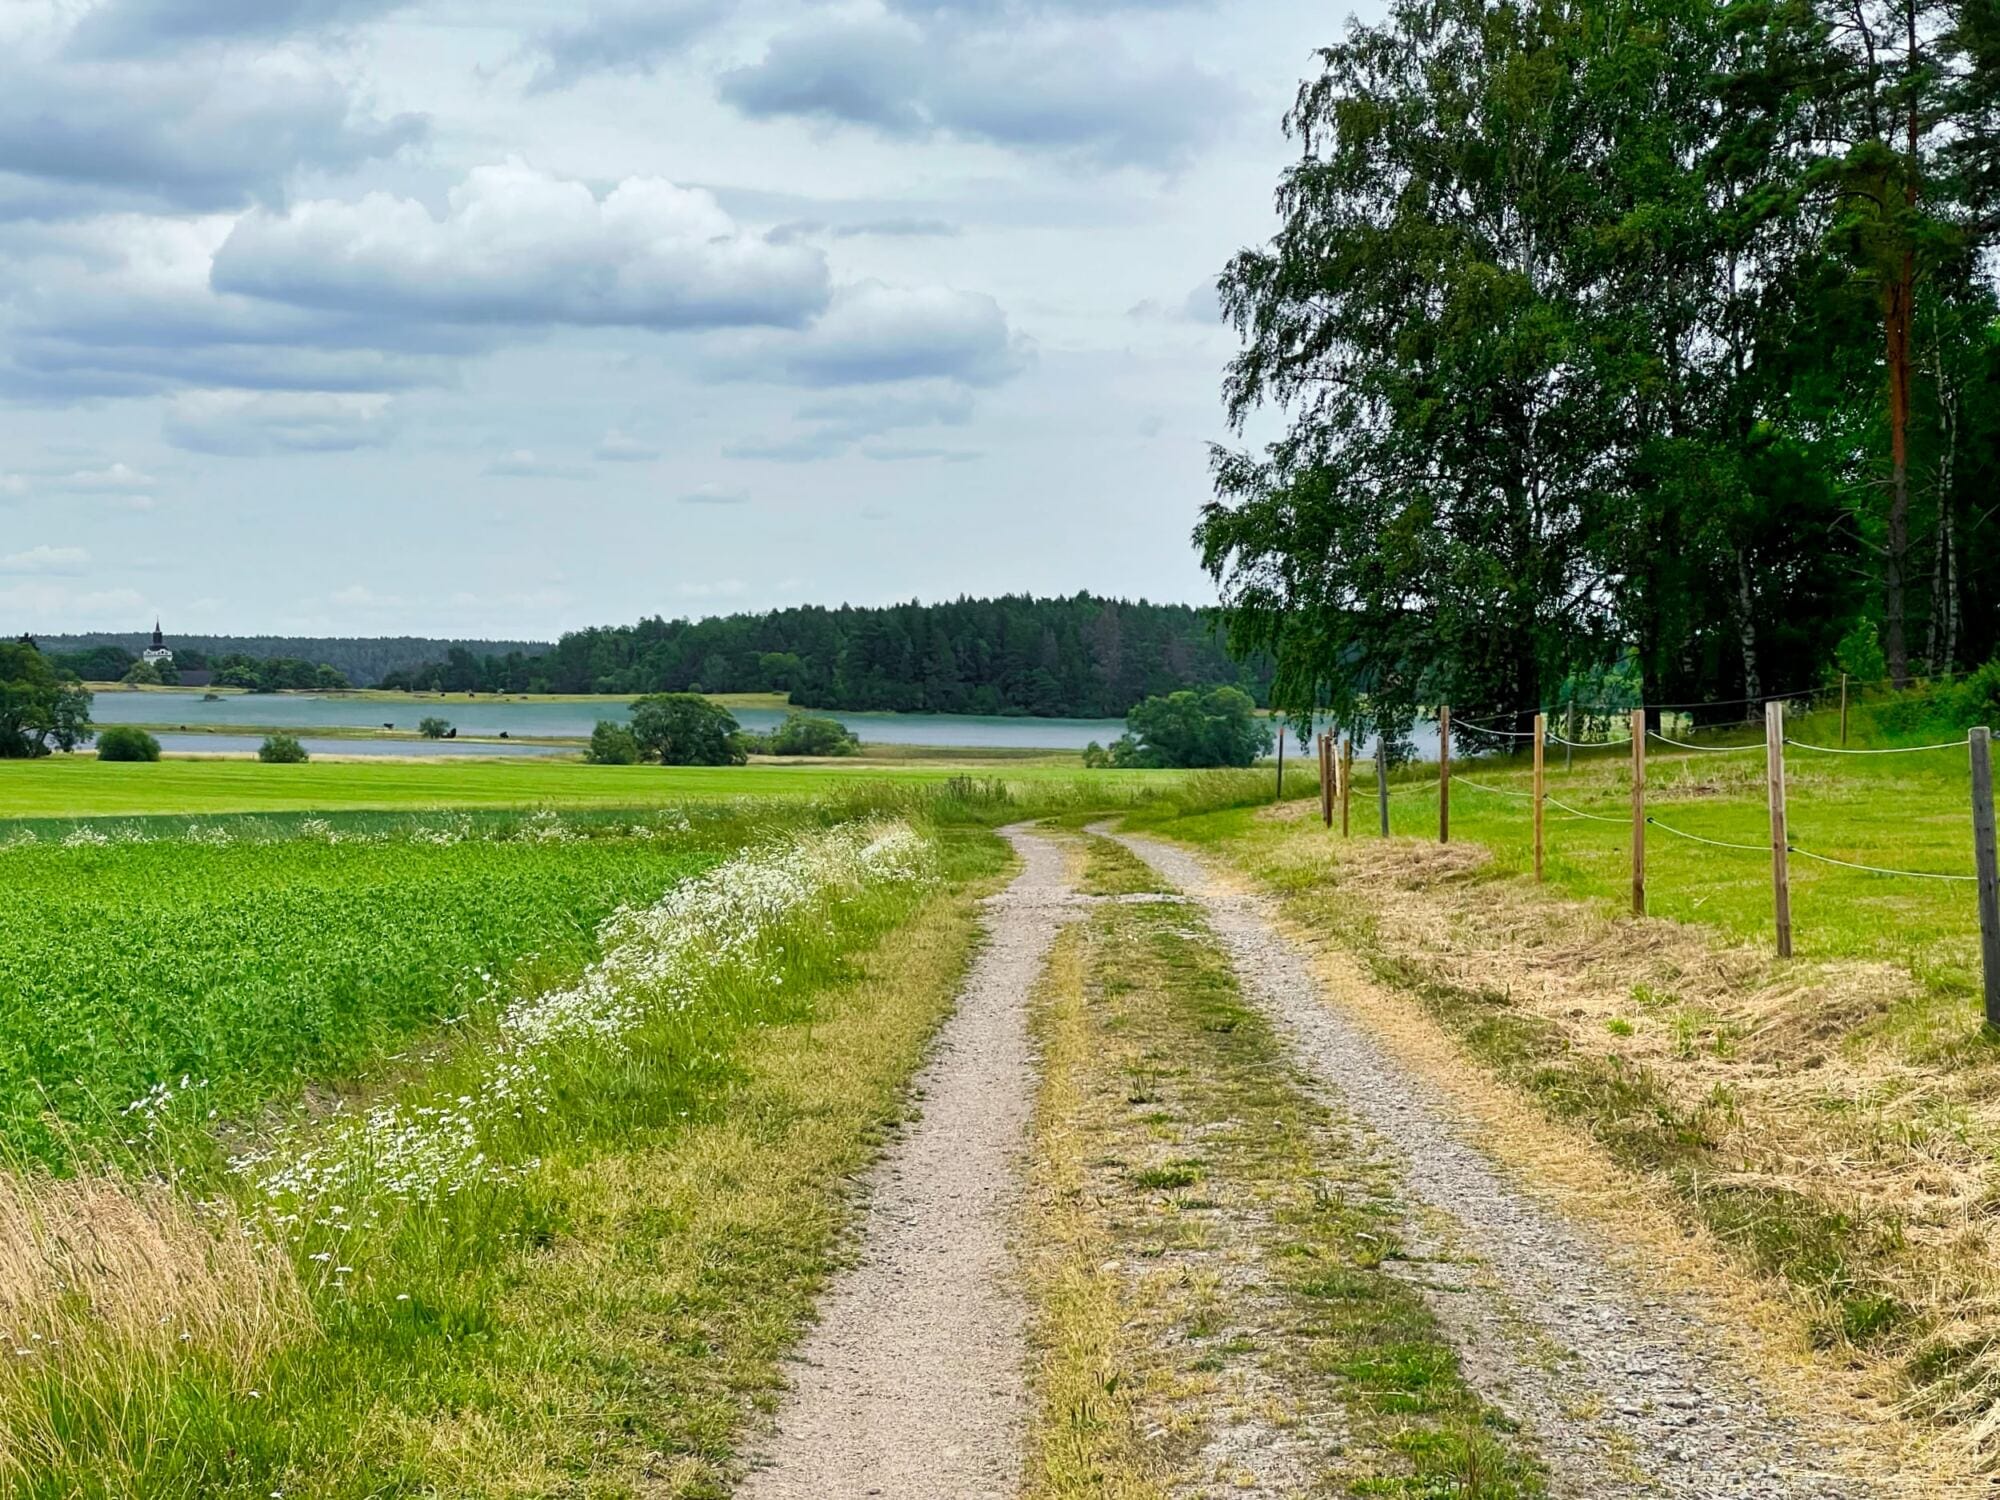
x=362, y=661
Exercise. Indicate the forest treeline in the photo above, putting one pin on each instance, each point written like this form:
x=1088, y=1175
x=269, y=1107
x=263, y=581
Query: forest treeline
x=1085, y=656
x=1655, y=338
x=108, y=656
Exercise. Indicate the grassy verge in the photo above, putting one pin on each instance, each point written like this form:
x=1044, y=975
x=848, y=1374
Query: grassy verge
x=1214, y=1260
x=1810, y=1114
x=591, y=1304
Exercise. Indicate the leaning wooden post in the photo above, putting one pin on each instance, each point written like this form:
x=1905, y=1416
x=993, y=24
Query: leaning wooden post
x=1541, y=787
x=1382, y=777
x=1444, y=774
x=1843, y=708
x=1281, y=764
x=1781, y=865
x=1988, y=862
x=1638, y=812
x=1346, y=780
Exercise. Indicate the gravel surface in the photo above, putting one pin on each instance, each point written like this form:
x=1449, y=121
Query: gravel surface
x=912, y=1386
x=1625, y=1393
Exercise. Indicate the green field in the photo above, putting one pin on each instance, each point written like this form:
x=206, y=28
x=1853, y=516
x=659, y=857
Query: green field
x=253, y=967
x=82, y=786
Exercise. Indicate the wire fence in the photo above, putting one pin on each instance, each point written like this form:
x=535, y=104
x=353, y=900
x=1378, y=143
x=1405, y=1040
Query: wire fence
x=1780, y=849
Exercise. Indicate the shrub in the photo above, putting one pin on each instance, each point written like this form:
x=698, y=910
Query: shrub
x=433, y=728
x=282, y=750
x=685, y=729
x=1977, y=699
x=123, y=742
x=802, y=734
x=612, y=745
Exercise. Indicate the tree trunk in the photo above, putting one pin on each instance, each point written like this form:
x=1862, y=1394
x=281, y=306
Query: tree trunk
x=1746, y=624
x=1897, y=299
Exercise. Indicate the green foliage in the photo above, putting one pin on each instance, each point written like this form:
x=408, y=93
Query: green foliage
x=612, y=744
x=431, y=727
x=282, y=749
x=1085, y=656
x=804, y=734
x=686, y=729
x=256, y=966
x=277, y=674
x=145, y=674
x=1860, y=653
x=1189, y=730
x=1577, y=322
x=124, y=742
x=40, y=710
x=1976, y=700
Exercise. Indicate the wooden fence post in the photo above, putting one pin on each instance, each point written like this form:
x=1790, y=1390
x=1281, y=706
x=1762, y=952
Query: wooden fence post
x=1444, y=774
x=1281, y=764
x=1843, y=708
x=1781, y=865
x=1346, y=780
x=1541, y=787
x=1638, y=812
x=1382, y=777
x=1569, y=737
x=1988, y=860
x=1326, y=778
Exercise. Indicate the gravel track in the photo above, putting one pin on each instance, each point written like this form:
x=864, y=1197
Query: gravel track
x=1626, y=1393
x=912, y=1385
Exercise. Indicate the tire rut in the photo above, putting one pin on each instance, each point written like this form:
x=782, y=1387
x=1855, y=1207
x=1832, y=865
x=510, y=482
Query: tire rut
x=1626, y=1393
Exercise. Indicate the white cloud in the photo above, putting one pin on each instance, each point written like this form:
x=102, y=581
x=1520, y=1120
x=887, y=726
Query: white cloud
x=45, y=560
x=622, y=448
x=525, y=463
x=519, y=246
x=48, y=608
x=247, y=423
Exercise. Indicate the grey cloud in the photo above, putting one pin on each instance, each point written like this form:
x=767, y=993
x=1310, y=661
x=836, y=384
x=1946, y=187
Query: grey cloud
x=133, y=26
x=518, y=246
x=892, y=228
x=241, y=424
x=625, y=38
x=833, y=425
x=1022, y=88
x=715, y=494
x=187, y=132
x=885, y=454
x=872, y=333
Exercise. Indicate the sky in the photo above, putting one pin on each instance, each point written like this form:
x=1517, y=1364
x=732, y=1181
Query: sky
x=505, y=317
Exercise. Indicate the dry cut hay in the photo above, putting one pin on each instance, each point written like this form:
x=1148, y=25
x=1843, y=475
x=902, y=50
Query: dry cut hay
x=1806, y=1106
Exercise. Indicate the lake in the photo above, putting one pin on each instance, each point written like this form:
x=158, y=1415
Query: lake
x=307, y=711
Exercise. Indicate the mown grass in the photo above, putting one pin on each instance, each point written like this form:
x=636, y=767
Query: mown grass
x=1213, y=1256
x=72, y=787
